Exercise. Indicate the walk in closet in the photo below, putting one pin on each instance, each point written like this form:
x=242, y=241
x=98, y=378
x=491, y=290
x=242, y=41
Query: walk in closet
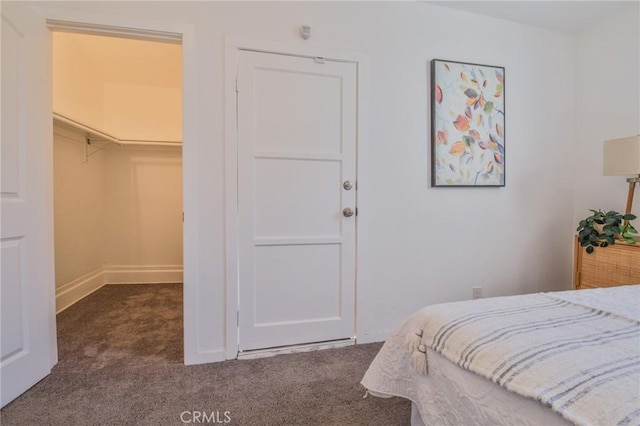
x=117, y=127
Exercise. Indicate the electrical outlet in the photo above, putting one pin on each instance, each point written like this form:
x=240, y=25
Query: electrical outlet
x=477, y=292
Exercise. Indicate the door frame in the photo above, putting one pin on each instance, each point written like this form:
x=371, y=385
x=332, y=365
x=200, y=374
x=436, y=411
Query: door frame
x=233, y=45
x=62, y=19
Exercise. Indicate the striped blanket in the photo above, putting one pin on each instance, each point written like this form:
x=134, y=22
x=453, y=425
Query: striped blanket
x=575, y=352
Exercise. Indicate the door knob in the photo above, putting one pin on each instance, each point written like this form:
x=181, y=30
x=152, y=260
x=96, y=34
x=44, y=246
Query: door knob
x=347, y=212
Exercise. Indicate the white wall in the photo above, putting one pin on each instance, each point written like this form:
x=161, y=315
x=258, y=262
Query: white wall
x=607, y=107
x=144, y=208
x=128, y=88
x=78, y=91
x=140, y=112
x=79, y=207
x=426, y=245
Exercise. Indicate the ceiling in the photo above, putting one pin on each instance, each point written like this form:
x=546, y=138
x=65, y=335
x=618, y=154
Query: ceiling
x=565, y=16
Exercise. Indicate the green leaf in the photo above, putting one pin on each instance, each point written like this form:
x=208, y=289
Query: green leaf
x=488, y=107
x=604, y=244
x=629, y=216
x=585, y=232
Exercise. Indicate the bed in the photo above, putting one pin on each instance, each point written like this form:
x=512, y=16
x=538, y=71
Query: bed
x=556, y=358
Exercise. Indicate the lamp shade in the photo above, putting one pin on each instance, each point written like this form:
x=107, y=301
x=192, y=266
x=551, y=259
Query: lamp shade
x=622, y=156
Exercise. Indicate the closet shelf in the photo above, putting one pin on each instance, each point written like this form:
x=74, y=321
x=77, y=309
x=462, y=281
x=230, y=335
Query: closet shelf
x=94, y=134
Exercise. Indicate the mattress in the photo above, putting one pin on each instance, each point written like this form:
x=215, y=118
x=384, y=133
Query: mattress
x=451, y=392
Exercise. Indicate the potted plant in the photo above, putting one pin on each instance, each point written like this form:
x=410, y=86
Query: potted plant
x=602, y=228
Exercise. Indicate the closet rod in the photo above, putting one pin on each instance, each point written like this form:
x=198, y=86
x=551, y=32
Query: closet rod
x=61, y=118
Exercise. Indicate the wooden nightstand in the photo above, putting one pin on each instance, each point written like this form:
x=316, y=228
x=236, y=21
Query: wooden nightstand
x=615, y=265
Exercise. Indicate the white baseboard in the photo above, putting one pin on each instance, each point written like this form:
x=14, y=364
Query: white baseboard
x=143, y=274
x=204, y=357
x=71, y=292
x=373, y=337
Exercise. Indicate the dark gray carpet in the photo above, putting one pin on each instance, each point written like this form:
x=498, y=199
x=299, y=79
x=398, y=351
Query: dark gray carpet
x=120, y=363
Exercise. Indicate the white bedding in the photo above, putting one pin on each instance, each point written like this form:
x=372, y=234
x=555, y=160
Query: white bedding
x=451, y=395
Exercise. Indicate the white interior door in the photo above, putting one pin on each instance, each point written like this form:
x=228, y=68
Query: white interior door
x=296, y=148
x=28, y=346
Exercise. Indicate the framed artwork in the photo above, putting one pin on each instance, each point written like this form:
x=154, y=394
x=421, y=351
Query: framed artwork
x=467, y=124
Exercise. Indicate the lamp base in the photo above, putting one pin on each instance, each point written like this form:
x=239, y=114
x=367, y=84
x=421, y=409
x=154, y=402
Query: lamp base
x=632, y=187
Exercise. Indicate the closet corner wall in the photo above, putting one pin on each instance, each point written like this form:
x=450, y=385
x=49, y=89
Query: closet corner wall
x=117, y=200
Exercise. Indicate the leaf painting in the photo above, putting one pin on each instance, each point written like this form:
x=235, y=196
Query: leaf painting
x=468, y=108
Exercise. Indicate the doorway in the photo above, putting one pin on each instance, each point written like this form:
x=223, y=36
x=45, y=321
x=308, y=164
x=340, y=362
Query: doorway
x=117, y=136
x=29, y=349
x=296, y=199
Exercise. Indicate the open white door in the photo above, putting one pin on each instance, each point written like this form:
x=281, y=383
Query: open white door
x=28, y=345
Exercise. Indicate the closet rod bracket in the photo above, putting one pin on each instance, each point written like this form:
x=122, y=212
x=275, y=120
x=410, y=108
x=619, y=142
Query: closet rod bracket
x=88, y=153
